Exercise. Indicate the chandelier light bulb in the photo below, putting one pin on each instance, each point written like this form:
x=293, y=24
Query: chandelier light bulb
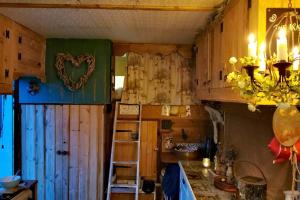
x=252, y=45
x=262, y=47
x=262, y=57
x=251, y=38
x=282, y=52
x=282, y=33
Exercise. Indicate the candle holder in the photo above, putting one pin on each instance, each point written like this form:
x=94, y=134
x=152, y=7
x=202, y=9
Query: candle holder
x=206, y=162
x=250, y=72
x=282, y=69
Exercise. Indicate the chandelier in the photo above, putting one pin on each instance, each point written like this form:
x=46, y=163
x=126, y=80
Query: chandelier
x=271, y=75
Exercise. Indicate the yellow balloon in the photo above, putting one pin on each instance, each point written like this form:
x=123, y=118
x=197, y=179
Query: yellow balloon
x=286, y=125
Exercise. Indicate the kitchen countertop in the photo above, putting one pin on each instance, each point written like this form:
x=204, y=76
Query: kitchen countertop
x=201, y=181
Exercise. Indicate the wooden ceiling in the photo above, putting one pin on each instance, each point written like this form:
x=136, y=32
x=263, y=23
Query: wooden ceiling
x=137, y=21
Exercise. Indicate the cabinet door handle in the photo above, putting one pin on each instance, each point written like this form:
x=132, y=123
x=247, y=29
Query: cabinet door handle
x=220, y=75
x=19, y=56
x=20, y=40
x=64, y=153
x=6, y=73
x=7, y=34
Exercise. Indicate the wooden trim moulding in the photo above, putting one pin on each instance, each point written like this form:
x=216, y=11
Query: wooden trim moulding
x=108, y=6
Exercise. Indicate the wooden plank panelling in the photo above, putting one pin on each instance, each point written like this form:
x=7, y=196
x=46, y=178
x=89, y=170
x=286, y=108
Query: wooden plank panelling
x=65, y=147
x=58, y=147
x=74, y=146
x=84, y=142
x=30, y=147
x=50, y=152
x=40, y=141
x=75, y=129
x=93, y=153
x=101, y=150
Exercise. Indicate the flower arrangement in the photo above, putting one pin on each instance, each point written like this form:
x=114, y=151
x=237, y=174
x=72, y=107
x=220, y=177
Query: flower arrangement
x=264, y=85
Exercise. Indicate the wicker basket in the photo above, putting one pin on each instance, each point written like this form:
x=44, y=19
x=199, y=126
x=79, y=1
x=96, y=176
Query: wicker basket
x=250, y=187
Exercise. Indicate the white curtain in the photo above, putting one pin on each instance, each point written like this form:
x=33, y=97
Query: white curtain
x=158, y=80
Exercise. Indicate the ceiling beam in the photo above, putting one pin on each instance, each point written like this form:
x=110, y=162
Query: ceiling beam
x=109, y=6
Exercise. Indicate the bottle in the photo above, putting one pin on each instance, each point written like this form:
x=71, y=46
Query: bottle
x=229, y=173
x=216, y=163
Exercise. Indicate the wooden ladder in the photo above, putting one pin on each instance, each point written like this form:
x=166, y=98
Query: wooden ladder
x=125, y=188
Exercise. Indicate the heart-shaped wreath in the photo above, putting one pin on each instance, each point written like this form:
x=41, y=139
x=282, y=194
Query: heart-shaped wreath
x=76, y=61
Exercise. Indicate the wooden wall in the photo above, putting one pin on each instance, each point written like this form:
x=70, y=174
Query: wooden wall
x=250, y=133
x=79, y=130
x=197, y=126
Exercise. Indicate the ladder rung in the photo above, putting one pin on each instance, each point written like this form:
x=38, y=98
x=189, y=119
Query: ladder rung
x=125, y=162
x=124, y=185
x=129, y=104
x=124, y=131
x=123, y=190
x=126, y=141
x=128, y=121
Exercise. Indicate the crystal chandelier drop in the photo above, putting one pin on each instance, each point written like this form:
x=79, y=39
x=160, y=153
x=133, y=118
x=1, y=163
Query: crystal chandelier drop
x=271, y=76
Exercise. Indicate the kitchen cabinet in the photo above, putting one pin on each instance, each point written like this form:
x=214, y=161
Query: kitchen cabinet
x=203, y=63
x=223, y=39
x=29, y=53
x=185, y=191
x=22, y=53
x=6, y=54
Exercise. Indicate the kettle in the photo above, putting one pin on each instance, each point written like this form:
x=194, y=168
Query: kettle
x=148, y=186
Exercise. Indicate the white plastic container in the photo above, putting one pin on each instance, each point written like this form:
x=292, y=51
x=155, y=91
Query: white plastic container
x=291, y=195
x=9, y=182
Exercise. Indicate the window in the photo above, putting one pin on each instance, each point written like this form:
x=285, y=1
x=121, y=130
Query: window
x=120, y=72
x=6, y=135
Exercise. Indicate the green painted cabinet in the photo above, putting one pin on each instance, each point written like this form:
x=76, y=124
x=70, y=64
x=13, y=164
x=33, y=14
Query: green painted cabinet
x=95, y=91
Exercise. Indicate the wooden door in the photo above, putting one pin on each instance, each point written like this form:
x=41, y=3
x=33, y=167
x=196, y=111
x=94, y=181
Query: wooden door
x=128, y=151
x=148, y=157
x=62, y=147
